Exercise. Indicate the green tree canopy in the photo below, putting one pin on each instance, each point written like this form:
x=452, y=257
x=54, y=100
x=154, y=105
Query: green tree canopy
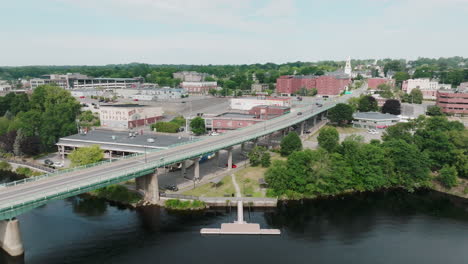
x=86, y=155
x=197, y=125
x=392, y=106
x=341, y=114
x=368, y=104
x=328, y=138
x=290, y=143
x=448, y=176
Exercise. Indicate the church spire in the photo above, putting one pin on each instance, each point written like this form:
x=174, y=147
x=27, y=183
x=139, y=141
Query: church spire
x=348, y=69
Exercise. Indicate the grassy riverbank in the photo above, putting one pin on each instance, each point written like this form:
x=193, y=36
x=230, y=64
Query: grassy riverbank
x=176, y=204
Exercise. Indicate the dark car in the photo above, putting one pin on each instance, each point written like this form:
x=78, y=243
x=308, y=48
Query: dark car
x=319, y=105
x=48, y=162
x=171, y=187
x=299, y=113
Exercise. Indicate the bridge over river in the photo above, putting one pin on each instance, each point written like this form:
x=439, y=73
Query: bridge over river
x=21, y=196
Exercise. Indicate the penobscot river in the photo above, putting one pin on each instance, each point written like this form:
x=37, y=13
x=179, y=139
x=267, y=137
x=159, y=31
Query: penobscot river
x=375, y=228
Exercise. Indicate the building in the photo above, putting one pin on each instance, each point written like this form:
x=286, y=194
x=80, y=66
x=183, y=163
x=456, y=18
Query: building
x=230, y=121
x=107, y=83
x=348, y=70
x=118, y=144
x=165, y=93
x=247, y=104
x=62, y=83
x=190, y=76
x=374, y=120
x=5, y=86
x=86, y=93
x=373, y=83
x=259, y=87
x=427, y=86
x=199, y=87
x=454, y=101
x=269, y=111
x=326, y=85
x=125, y=116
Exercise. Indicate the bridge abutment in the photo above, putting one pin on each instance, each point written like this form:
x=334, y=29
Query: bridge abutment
x=229, y=158
x=196, y=169
x=10, y=237
x=149, y=185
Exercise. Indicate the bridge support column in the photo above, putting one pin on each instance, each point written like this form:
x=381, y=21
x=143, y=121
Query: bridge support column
x=315, y=120
x=10, y=237
x=255, y=142
x=152, y=188
x=242, y=146
x=196, y=169
x=218, y=153
x=184, y=168
x=229, y=158
x=302, y=128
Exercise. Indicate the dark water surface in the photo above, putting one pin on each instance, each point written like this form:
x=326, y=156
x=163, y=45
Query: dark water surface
x=392, y=227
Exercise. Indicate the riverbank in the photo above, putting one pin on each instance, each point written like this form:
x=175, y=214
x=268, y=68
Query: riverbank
x=461, y=190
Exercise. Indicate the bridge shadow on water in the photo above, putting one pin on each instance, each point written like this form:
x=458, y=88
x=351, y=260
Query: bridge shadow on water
x=90, y=230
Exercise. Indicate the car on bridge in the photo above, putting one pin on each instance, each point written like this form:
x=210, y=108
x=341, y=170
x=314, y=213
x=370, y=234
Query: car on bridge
x=299, y=113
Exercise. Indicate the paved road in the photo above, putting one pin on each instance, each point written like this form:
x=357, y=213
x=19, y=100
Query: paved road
x=68, y=181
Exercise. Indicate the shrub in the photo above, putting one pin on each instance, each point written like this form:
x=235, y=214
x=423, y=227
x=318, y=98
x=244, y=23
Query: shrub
x=5, y=165
x=448, y=176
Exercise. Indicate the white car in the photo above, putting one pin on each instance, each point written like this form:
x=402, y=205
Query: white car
x=58, y=164
x=372, y=131
x=214, y=134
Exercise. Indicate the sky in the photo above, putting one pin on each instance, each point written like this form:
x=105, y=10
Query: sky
x=99, y=32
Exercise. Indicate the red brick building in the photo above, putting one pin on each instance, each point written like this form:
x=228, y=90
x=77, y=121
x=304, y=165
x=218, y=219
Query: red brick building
x=268, y=112
x=373, y=83
x=453, y=101
x=325, y=85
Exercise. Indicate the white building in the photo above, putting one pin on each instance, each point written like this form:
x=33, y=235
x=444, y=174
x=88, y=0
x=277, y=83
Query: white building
x=4, y=86
x=107, y=83
x=427, y=86
x=190, y=76
x=249, y=103
x=348, y=70
x=125, y=116
x=165, y=93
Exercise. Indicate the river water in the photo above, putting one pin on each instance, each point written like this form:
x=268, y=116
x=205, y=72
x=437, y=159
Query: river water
x=391, y=227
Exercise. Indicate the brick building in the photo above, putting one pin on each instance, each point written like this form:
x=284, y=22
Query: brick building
x=268, y=111
x=199, y=87
x=325, y=84
x=124, y=116
x=453, y=101
x=373, y=83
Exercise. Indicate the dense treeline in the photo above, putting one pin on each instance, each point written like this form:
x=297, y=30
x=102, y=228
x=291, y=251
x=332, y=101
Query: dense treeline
x=33, y=124
x=406, y=157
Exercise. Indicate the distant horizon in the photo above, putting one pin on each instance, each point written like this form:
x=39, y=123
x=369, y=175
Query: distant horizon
x=226, y=64
x=225, y=32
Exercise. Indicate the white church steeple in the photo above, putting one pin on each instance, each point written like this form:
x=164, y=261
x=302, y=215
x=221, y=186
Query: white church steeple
x=348, y=69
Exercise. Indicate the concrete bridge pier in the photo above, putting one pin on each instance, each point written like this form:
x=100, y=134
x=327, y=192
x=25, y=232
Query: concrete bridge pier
x=184, y=168
x=242, y=146
x=149, y=185
x=302, y=128
x=229, y=158
x=10, y=237
x=196, y=169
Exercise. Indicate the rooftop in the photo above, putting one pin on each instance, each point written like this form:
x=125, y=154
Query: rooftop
x=236, y=115
x=374, y=116
x=120, y=141
x=124, y=105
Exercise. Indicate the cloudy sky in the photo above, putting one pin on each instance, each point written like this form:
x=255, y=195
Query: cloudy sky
x=96, y=32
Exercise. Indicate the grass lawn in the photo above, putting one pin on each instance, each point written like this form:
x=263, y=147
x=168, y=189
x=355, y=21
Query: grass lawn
x=209, y=190
x=248, y=181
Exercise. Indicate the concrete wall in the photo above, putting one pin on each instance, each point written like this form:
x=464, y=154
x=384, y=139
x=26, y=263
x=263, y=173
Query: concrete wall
x=10, y=237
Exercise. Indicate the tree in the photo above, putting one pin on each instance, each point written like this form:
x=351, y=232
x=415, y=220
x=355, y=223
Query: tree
x=434, y=110
x=400, y=77
x=416, y=96
x=213, y=92
x=7, y=141
x=4, y=166
x=328, y=138
x=385, y=90
x=401, y=131
x=165, y=127
x=19, y=142
x=197, y=125
x=448, y=176
x=266, y=160
x=392, y=106
x=290, y=143
x=255, y=155
x=341, y=114
x=368, y=104
x=86, y=155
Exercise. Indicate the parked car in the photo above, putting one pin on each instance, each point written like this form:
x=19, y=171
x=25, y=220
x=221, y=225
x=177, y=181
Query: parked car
x=58, y=164
x=171, y=187
x=135, y=99
x=82, y=97
x=233, y=166
x=372, y=131
x=48, y=162
x=214, y=134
